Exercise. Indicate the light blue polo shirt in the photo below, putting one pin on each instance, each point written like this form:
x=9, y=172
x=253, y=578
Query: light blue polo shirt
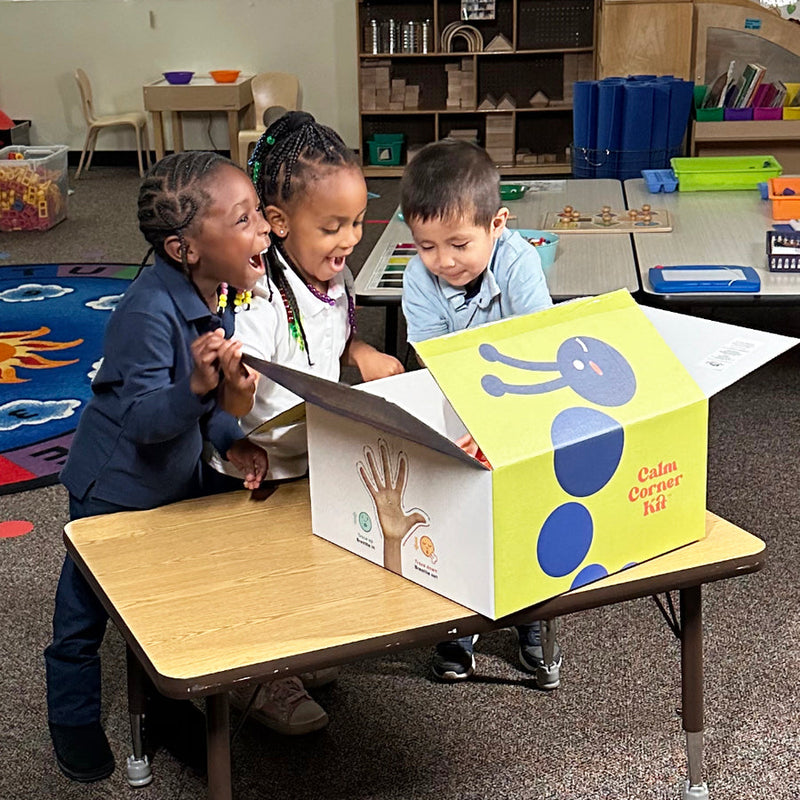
x=513, y=284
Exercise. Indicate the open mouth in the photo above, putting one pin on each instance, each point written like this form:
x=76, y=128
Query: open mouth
x=337, y=263
x=258, y=262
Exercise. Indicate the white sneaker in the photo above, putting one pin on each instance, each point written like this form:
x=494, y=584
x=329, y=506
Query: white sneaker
x=282, y=705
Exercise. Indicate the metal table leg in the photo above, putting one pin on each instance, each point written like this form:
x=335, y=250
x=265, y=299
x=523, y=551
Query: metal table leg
x=694, y=788
x=219, y=747
x=137, y=765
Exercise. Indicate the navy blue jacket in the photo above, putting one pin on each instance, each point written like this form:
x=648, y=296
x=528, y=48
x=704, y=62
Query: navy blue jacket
x=140, y=438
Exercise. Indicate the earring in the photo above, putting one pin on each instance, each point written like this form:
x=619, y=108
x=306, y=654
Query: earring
x=280, y=232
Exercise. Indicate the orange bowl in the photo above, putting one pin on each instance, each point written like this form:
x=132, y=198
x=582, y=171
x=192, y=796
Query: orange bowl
x=224, y=75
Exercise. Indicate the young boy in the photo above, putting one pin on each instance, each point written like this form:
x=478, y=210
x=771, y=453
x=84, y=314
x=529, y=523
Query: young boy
x=470, y=269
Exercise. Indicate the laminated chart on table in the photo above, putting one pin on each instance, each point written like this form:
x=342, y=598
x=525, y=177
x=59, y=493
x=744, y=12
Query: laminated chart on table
x=387, y=273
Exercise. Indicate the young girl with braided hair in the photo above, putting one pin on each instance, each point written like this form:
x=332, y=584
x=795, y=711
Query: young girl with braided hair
x=170, y=378
x=314, y=196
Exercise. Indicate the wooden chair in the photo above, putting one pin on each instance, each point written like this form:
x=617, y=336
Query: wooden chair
x=269, y=89
x=136, y=119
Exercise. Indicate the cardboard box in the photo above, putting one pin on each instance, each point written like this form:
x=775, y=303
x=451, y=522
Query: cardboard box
x=592, y=415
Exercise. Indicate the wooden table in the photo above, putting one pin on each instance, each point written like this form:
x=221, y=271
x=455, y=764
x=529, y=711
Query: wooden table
x=202, y=94
x=586, y=264
x=726, y=227
x=231, y=605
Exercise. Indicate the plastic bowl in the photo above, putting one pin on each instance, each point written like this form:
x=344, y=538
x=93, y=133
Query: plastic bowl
x=224, y=75
x=512, y=191
x=176, y=78
x=547, y=250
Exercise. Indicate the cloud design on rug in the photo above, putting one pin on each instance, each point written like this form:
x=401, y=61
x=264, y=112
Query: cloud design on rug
x=34, y=412
x=28, y=292
x=107, y=303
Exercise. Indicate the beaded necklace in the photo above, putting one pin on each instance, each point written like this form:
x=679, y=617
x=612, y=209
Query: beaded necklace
x=323, y=296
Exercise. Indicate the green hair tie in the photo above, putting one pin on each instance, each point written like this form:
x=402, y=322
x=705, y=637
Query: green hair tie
x=270, y=140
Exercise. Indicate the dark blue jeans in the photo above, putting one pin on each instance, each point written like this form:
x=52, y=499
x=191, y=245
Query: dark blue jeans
x=72, y=659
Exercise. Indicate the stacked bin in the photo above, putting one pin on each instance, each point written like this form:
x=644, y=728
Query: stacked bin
x=33, y=187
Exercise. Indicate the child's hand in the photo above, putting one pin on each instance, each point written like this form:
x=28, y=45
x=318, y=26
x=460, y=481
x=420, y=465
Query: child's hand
x=380, y=365
x=470, y=446
x=371, y=363
x=239, y=383
x=205, y=352
x=250, y=459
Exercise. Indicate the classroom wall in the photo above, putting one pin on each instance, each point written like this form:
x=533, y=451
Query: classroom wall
x=43, y=41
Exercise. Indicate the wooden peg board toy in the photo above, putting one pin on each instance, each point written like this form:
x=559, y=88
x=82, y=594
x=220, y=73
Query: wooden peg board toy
x=605, y=220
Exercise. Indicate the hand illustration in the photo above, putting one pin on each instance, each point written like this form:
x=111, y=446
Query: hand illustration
x=387, y=495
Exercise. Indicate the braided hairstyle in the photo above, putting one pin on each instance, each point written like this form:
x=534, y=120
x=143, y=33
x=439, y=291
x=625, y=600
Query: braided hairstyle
x=172, y=197
x=292, y=153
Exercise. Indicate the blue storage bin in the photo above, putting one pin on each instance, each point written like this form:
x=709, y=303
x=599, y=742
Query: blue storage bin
x=660, y=180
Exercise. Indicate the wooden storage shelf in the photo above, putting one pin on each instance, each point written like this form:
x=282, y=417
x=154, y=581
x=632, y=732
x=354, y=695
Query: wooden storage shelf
x=553, y=45
x=758, y=130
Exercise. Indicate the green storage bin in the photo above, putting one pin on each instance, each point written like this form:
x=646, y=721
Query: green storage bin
x=386, y=149
x=710, y=173
x=705, y=114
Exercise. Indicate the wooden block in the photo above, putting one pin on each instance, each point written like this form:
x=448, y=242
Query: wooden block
x=488, y=103
x=498, y=44
x=411, y=96
x=507, y=102
x=539, y=100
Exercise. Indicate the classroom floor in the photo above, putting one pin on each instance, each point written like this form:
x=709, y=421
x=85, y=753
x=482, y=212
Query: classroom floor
x=611, y=731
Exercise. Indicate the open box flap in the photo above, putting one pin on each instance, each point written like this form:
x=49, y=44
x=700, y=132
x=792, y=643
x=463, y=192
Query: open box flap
x=716, y=354
x=525, y=385
x=359, y=406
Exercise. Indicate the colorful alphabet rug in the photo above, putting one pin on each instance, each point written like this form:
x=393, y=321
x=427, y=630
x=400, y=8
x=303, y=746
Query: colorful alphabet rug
x=52, y=320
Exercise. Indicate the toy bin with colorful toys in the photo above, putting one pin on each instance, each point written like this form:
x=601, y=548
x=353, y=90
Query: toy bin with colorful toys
x=33, y=187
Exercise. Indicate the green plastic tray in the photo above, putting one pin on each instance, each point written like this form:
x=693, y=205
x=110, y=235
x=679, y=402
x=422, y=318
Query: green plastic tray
x=723, y=172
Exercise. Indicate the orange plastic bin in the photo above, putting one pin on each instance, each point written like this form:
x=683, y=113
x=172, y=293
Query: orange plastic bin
x=785, y=206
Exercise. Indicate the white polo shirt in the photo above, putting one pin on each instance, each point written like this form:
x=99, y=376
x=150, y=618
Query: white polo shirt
x=264, y=332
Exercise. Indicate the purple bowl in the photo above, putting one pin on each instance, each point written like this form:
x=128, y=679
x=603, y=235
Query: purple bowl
x=178, y=77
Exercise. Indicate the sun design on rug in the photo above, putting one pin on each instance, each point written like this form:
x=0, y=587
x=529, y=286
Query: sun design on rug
x=18, y=349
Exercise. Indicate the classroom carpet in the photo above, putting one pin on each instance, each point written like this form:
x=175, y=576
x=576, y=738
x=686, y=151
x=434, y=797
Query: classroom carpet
x=52, y=319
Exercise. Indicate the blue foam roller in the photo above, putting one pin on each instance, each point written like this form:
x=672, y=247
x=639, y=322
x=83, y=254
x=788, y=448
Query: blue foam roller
x=609, y=125
x=637, y=119
x=659, y=157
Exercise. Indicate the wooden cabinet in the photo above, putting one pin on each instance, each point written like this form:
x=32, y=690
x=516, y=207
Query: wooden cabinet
x=641, y=37
x=427, y=88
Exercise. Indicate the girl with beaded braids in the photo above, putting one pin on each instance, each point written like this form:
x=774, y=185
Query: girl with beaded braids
x=169, y=380
x=314, y=197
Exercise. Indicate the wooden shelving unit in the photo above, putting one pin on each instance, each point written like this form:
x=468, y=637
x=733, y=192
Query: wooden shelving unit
x=553, y=44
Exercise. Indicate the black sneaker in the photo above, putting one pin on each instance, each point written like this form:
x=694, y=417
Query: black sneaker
x=180, y=728
x=531, y=656
x=454, y=661
x=82, y=751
